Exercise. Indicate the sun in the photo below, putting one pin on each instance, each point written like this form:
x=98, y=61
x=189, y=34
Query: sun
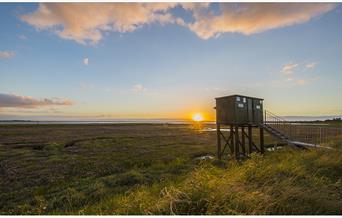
x=197, y=117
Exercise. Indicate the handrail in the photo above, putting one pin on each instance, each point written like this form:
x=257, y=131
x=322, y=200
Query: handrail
x=304, y=133
x=274, y=116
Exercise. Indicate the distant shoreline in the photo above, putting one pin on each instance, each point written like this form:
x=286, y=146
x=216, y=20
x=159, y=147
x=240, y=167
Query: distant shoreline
x=28, y=122
x=334, y=119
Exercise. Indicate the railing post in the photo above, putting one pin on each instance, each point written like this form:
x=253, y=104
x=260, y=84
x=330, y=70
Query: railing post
x=265, y=121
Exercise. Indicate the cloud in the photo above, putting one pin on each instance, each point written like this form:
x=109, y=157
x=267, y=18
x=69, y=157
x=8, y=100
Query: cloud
x=302, y=82
x=305, y=81
x=289, y=68
x=300, y=78
x=214, y=89
x=311, y=65
x=22, y=37
x=87, y=22
x=86, y=86
x=86, y=61
x=249, y=18
x=290, y=82
x=138, y=88
x=12, y=100
x=6, y=54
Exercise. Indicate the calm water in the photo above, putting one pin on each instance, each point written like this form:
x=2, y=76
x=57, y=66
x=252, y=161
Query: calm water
x=123, y=121
x=151, y=121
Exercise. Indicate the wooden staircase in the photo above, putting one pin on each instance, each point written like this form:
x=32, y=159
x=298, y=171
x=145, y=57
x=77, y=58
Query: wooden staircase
x=284, y=138
x=281, y=130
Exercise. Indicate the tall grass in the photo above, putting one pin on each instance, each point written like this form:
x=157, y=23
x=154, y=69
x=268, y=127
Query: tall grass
x=281, y=182
x=128, y=169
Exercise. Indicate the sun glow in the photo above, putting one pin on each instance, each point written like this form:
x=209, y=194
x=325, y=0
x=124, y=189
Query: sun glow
x=197, y=117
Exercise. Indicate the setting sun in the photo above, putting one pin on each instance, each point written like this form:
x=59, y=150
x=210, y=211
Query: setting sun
x=197, y=117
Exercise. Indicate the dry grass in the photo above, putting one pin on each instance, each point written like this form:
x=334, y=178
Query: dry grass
x=282, y=182
x=152, y=169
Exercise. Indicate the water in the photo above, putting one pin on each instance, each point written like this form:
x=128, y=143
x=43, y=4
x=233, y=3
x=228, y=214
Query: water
x=117, y=121
x=153, y=121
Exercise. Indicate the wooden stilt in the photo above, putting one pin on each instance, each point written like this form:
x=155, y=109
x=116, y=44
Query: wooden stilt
x=232, y=150
x=250, y=139
x=243, y=142
x=262, y=149
x=236, y=132
x=218, y=130
x=237, y=144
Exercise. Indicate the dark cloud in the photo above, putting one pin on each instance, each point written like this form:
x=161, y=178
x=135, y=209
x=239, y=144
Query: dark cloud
x=12, y=100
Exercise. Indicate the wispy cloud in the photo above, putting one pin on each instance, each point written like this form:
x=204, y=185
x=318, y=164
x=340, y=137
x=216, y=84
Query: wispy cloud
x=289, y=68
x=290, y=82
x=311, y=65
x=22, y=37
x=300, y=78
x=19, y=101
x=87, y=22
x=86, y=86
x=6, y=54
x=213, y=89
x=302, y=82
x=138, y=88
x=305, y=81
x=86, y=61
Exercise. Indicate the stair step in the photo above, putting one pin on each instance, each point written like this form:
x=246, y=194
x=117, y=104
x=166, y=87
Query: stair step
x=276, y=133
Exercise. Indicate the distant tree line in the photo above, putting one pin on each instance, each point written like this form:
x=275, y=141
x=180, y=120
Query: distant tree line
x=337, y=119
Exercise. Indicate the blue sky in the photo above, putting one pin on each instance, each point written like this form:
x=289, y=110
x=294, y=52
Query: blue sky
x=85, y=65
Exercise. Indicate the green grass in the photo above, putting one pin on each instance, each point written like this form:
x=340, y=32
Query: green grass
x=78, y=165
x=282, y=182
x=152, y=169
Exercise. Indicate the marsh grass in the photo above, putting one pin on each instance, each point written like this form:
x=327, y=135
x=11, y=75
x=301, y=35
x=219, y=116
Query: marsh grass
x=153, y=169
x=284, y=182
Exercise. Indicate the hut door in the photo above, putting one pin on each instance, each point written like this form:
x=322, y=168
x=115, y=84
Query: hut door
x=250, y=110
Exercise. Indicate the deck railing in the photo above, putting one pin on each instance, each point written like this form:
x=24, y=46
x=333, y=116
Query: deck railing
x=303, y=132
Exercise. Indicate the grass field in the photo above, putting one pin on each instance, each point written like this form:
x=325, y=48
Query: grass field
x=154, y=169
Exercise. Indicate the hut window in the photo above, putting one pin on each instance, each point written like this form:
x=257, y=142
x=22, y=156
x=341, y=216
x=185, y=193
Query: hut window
x=237, y=98
x=240, y=105
x=260, y=101
x=244, y=100
x=258, y=107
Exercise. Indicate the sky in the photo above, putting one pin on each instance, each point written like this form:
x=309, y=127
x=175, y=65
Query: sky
x=167, y=60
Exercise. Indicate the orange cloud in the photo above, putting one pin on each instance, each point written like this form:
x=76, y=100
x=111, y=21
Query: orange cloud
x=86, y=22
x=7, y=54
x=249, y=18
x=12, y=100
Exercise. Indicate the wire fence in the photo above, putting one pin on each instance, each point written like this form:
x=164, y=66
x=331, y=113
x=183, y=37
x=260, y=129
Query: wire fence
x=308, y=133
